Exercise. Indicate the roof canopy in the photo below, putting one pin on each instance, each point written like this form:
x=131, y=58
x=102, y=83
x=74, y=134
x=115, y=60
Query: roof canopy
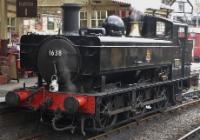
x=128, y=2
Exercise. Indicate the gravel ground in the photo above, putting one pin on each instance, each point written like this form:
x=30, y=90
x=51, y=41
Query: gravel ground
x=22, y=126
x=26, y=132
x=167, y=127
x=14, y=124
x=19, y=124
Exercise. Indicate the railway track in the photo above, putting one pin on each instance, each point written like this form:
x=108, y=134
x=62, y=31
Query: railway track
x=192, y=135
x=14, y=122
x=126, y=127
x=35, y=136
x=4, y=108
x=7, y=111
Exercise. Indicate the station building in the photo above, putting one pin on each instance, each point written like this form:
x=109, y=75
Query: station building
x=47, y=21
x=49, y=13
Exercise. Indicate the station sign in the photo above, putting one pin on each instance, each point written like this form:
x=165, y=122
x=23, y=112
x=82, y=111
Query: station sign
x=26, y=8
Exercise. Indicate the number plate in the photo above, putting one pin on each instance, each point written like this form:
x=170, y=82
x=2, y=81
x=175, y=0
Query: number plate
x=55, y=53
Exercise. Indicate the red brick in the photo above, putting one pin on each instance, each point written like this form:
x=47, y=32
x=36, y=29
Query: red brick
x=4, y=63
x=4, y=70
x=3, y=58
x=3, y=79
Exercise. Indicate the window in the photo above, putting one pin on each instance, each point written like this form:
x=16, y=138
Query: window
x=180, y=18
x=181, y=32
x=160, y=28
x=167, y=2
x=11, y=22
x=83, y=19
x=50, y=23
x=181, y=6
x=11, y=28
x=98, y=18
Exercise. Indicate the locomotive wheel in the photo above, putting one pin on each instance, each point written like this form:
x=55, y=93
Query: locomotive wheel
x=139, y=101
x=104, y=119
x=164, y=103
x=161, y=92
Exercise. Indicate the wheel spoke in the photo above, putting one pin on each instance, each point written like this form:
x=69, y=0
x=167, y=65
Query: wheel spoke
x=104, y=119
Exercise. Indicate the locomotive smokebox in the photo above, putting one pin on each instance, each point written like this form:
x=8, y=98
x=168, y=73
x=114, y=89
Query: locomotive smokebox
x=71, y=23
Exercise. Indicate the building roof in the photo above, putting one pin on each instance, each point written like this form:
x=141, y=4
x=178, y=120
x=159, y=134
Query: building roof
x=123, y=1
x=58, y=3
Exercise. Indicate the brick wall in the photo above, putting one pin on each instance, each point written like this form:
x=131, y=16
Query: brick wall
x=4, y=70
x=3, y=47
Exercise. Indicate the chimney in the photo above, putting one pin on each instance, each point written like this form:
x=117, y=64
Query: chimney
x=71, y=23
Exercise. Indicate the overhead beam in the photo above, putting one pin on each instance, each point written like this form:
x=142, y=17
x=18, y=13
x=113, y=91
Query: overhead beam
x=11, y=3
x=58, y=3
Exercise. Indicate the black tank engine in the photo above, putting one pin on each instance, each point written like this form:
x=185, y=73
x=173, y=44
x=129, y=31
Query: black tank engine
x=99, y=78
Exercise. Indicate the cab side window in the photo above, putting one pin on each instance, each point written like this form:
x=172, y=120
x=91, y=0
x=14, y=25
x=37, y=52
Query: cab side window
x=160, y=28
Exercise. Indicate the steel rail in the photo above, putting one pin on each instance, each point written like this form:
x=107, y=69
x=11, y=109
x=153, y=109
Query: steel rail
x=33, y=136
x=191, y=134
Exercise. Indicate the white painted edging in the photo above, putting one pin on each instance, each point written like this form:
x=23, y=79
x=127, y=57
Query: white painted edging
x=2, y=99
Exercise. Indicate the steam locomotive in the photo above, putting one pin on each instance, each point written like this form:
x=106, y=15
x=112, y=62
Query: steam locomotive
x=98, y=78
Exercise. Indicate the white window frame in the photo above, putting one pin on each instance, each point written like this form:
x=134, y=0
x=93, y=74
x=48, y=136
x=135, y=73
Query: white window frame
x=181, y=6
x=160, y=28
x=84, y=18
x=97, y=19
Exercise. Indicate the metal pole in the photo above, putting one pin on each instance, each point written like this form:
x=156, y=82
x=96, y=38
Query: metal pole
x=3, y=20
x=197, y=18
x=185, y=16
